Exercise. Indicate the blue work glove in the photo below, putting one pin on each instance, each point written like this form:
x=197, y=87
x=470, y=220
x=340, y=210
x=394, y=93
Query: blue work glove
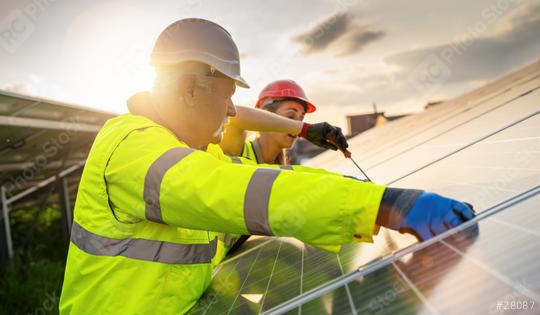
x=420, y=213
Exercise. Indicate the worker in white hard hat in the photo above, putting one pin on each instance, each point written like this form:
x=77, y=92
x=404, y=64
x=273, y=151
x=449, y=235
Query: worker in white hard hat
x=151, y=200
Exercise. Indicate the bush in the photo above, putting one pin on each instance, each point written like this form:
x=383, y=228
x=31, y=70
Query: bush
x=31, y=285
x=32, y=282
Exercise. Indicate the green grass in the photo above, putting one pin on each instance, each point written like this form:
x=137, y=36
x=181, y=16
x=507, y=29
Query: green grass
x=31, y=286
x=32, y=282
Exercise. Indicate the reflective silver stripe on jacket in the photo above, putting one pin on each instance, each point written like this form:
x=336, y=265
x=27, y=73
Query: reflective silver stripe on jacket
x=257, y=199
x=142, y=249
x=286, y=167
x=257, y=150
x=236, y=160
x=154, y=176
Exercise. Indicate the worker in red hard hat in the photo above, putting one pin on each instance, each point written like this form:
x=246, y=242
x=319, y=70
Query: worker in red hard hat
x=287, y=99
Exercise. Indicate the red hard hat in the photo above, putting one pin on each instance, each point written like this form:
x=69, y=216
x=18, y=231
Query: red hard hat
x=283, y=89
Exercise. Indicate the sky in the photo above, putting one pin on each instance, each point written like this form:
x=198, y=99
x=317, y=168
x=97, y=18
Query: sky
x=346, y=54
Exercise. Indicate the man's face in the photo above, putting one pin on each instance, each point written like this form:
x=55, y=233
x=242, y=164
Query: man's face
x=212, y=100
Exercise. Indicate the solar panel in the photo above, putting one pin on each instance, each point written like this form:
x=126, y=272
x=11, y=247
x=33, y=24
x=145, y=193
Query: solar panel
x=42, y=142
x=457, y=138
x=277, y=271
x=447, y=135
x=299, y=270
x=483, y=147
x=39, y=138
x=438, y=120
x=485, y=269
x=377, y=145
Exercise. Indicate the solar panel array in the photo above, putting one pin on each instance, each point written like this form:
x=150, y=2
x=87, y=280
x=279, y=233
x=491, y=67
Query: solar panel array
x=40, y=138
x=484, y=148
x=43, y=147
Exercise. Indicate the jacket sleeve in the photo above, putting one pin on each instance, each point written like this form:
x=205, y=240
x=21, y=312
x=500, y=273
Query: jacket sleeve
x=153, y=176
x=297, y=168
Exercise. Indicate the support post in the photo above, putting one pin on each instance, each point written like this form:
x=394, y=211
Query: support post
x=7, y=227
x=65, y=206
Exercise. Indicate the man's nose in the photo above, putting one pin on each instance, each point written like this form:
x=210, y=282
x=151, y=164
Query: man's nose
x=231, y=110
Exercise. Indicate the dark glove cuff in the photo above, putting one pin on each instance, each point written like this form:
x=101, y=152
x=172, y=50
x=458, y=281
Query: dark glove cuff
x=395, y=205
x=236, y=245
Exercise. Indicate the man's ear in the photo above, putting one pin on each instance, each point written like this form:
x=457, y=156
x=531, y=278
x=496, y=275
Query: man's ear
x=186, y=89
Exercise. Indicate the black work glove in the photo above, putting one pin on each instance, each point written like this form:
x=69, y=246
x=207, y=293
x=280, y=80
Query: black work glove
x=324, y=135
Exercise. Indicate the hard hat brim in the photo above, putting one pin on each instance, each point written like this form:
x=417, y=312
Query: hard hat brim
x=310, y=108
x=240, y=81
x=229, y=68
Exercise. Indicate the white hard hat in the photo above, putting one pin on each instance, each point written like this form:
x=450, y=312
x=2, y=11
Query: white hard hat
x=199, y=40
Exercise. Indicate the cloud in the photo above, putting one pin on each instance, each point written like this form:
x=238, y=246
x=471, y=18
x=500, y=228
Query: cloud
x=25, y=86
x=361, y=38
x=340, y=32
x=513, y=41
x=35, y=85
x=324, y=32
x=477, y=56
x=18, y=87
x=356, y=93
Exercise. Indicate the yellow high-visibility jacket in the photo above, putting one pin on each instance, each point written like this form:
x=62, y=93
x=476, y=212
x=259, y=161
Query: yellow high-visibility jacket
x=141, y=239
x=251, y=156
x=251, y=152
